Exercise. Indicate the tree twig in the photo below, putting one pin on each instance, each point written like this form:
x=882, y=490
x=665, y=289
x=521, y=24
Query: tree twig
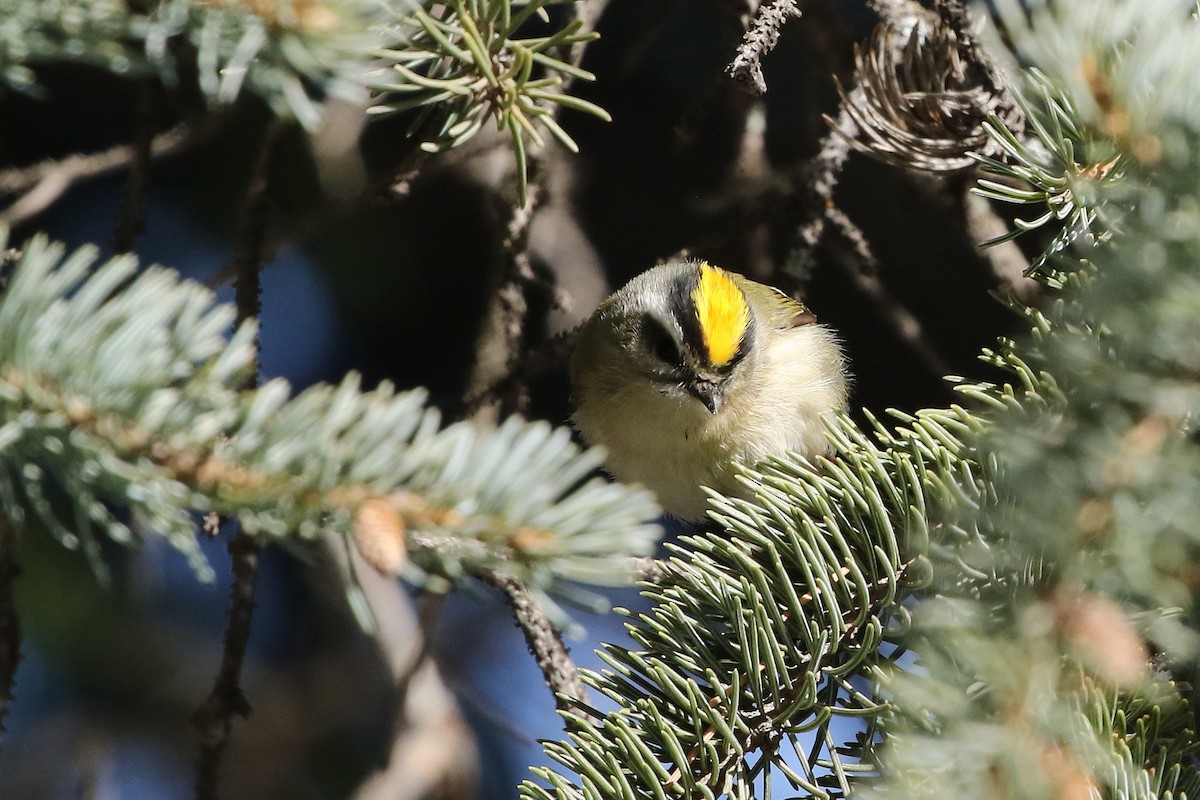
x=502, y=338
x=10, y=626
x=815, y=184
x=761, y=37
x=252, y=233
x=862, y=267
x=131, y=214
x=45, y=182
x=214, y=719
x=433, y=752
x=1009, y=264
x=552, y=656
x=760, y=197
x=535, y=363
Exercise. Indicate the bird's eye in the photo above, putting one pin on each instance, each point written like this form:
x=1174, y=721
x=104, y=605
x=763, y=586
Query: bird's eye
x=660, y=342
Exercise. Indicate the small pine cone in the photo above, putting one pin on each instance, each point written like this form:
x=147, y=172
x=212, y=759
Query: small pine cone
x=1098, y=631
x=379, y=536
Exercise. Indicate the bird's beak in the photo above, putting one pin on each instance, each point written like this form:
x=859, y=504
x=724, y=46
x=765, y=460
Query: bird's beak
x=708, y=393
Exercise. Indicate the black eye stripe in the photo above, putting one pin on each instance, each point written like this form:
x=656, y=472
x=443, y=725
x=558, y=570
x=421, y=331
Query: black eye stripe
x=684, y=309
x=659, y=341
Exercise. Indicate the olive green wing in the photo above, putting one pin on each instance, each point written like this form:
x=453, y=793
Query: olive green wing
x=781, y=310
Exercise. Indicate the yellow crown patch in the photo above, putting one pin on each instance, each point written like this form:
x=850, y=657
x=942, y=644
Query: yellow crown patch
x=722, y=313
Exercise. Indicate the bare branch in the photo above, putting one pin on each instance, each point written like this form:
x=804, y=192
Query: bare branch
x=131, y=217
x=214, y=719
x=45, y=182
x=433, y=752
x=502, y=337
x=1009, y=264
x=535, y=363
x=862, y=267
x=546, y=645
x=760, y=39
x=815, y=184
x=252, y=233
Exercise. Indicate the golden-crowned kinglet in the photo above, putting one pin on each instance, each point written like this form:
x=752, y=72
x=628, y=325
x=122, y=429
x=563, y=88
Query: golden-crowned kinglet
x=690, y=369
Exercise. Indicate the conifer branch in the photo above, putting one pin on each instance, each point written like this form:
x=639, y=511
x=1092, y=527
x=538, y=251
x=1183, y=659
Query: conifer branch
x=460, y=64
x=463, y=64
x=995, y=84
x=923, y=90
x=1031, y=553
x=502, y=343
x=797, y=590
x=1062, y=167
x=176, y=425
x=1065, y=581
x=290, y=54
x=99, y=33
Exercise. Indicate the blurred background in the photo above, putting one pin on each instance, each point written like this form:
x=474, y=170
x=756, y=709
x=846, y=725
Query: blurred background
x=396, y=287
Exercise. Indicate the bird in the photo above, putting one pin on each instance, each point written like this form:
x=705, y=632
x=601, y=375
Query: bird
x=690, y=370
